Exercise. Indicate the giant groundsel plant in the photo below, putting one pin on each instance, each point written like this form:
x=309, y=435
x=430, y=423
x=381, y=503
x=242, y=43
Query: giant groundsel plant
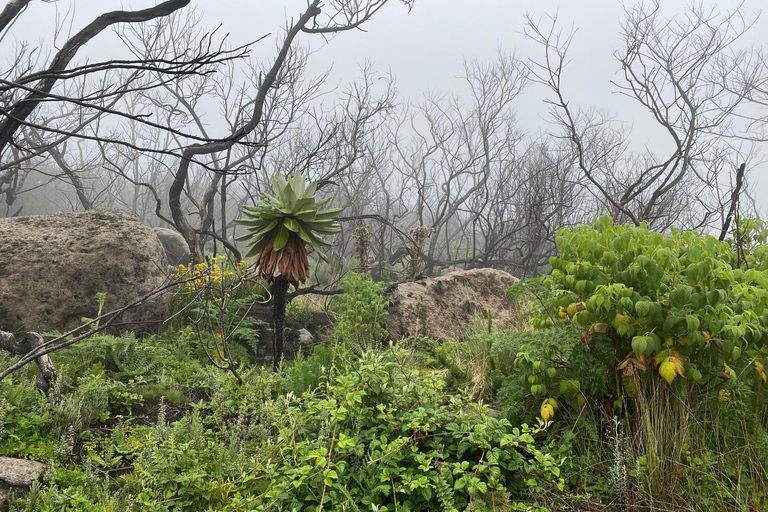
x=279, y=228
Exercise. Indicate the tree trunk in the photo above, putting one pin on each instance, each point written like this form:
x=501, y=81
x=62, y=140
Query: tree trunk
x=733, y=209
x=279, y=291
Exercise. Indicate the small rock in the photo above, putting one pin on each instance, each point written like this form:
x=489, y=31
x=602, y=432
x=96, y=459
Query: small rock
x=19, y=472
x=176, y=248
x=305, y=338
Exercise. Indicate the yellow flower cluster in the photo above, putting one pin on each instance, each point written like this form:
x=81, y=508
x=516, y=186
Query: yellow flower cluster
x=201, y=275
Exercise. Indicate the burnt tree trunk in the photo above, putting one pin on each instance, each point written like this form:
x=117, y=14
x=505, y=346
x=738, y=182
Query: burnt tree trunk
x=733, y=209
x=28, y=343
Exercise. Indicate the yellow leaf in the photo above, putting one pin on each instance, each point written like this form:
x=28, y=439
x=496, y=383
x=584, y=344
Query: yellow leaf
x=671, y=367
x=760, y=369
x=729, y=371
x=679, y=366
x=724, y=396
x=661, y=356
x=667, y=370
x=620, y=320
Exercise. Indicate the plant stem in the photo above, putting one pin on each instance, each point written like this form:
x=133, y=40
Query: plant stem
x=279, y=291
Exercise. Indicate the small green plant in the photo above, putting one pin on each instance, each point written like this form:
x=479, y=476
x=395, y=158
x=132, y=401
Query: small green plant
x=128, y=358
x=299, y=312
x=362, y=314
x=307, y=374
x=101, y=298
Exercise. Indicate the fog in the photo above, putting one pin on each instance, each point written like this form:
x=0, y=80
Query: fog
x=446, y=83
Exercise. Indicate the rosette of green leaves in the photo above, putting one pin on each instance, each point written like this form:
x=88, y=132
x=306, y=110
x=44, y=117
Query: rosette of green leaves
x=292, y=209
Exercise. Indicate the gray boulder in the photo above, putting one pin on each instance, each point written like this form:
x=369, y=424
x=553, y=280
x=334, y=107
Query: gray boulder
x=17, y=474
x=176, y=248
x=52, y=267
x=20, y=472
x=443, y=307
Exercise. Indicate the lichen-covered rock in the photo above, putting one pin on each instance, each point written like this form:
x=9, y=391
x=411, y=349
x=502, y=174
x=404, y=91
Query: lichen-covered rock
x=52, y=267
x=17, y=474
x=20, y=472
x=176, y=248
x=443, y=307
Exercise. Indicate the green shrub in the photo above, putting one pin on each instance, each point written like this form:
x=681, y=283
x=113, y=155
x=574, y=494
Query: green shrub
x=362, y=312
x=660, y=326
x=669, y=305
x=385, y=436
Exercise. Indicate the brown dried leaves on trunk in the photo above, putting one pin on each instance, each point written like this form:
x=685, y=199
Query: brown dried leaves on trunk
x=291, y=261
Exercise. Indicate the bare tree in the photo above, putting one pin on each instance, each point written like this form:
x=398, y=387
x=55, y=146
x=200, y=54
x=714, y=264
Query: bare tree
x=61, y=101
x=448, y=151
x=340, y=16
x=682, y=70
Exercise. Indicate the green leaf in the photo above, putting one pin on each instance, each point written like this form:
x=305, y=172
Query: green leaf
x=640, y=345
x=281, y=238
x=299, y=184
x=643, y=308
x=265, y=230
x=291, y=224
x=693, y=322
x=256, y=248
x=670, y=323
x=290, y=197
x=278, y=186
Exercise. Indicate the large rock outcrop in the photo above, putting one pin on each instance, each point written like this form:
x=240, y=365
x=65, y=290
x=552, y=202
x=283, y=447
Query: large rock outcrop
x=52, y=267
x=443, y=307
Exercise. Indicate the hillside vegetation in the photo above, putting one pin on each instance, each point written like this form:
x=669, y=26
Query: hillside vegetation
x=636, y=380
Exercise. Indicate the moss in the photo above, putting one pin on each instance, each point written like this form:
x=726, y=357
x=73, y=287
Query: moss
x=172, y=394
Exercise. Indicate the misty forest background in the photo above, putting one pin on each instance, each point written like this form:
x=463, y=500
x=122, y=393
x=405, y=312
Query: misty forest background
x=187, y=130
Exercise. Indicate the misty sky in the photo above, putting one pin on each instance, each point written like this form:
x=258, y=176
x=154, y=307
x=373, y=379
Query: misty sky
x=425, y=48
